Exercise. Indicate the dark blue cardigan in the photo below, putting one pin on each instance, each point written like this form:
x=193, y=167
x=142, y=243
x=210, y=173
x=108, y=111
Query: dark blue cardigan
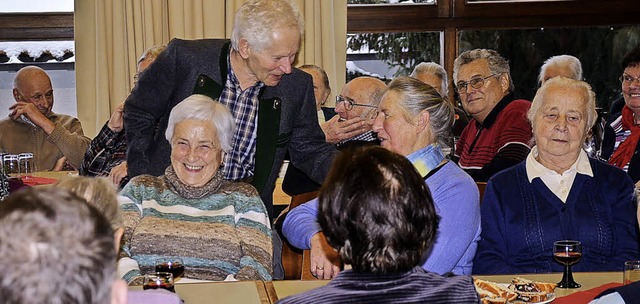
x=521, y=220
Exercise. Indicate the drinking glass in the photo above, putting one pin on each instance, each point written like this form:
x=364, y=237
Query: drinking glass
x=631, y=272
x=2, y=163
x=157, y=280
x=26, y=164
x=567, y=253
x=172, y=265
x=11, y=165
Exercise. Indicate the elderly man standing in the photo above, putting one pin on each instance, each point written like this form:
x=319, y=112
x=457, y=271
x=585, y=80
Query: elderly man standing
x=271, y=101
x=33, y=127
x=498, y=135
x=358, y=99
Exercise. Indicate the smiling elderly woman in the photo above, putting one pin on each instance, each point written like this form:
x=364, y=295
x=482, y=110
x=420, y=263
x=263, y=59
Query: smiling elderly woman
x=219, y=228
x=558, y=193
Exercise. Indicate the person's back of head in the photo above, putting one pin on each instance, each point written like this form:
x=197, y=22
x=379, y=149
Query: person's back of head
x=562, y=65
x=429, y=72
x=55, y=248
x=377, y=211
x=100, y=193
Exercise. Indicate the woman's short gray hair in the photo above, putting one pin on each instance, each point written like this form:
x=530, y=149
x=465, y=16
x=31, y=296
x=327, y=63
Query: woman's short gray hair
x=569, y=61
x=497, y=64
x=569, y=84
x=435, y=69
x=201, y=107
x=415, y=97
x=256, y=20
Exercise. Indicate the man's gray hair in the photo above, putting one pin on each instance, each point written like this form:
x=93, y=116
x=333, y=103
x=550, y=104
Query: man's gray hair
x=256, y=20
x=435, y=69
x=573, y=63
x=55, y=248
x=201, y=107
x=497, y=64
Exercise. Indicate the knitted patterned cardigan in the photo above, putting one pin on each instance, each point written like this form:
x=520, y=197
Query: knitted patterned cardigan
x=220, y=230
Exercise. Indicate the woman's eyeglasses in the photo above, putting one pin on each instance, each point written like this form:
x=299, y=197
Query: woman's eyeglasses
x=628, y=79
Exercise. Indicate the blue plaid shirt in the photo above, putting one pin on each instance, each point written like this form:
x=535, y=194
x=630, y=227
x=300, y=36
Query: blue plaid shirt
x=240, y=161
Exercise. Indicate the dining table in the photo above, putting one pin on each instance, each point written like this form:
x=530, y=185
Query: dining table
x=592, y=284
x=249, y=292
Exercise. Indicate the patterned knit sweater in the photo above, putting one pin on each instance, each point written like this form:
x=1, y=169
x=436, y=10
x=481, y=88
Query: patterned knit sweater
x=219, y=229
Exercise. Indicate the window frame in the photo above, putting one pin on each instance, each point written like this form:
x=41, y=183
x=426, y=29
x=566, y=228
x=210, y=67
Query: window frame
x=36, y=26
x=451, y=16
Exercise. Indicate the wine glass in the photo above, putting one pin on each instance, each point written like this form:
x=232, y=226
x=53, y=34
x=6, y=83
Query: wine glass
x=567, y=253
x=170, y=264
x=11, y=165
x=26, y=165
x=157, y=280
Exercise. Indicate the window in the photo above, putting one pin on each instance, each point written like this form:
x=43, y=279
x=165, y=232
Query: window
x=537, y=29
x=41, y=33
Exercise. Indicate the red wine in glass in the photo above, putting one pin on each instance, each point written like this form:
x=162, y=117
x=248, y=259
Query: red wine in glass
x=567, y=253
x=157, y=280
x=175, y=267
x=155, y=285
x=567, y=258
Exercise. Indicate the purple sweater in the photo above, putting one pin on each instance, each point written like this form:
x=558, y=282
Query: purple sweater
x=456, y=198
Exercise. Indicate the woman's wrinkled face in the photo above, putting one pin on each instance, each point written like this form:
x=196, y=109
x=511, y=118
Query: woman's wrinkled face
x=195, y=152
x=559, y=126
x=394, y=131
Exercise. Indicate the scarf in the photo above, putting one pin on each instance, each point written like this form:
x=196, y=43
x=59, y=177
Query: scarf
x=190, y=192
x=426, y=159
x=625, y=150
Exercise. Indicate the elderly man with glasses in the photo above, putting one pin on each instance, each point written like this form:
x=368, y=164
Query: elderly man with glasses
x=355, y=104
x=499, y=134
x=56, y=140
x=359, y=98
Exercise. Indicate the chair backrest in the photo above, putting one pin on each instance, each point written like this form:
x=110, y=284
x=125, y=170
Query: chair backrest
x=481, y=187
x=292, y=257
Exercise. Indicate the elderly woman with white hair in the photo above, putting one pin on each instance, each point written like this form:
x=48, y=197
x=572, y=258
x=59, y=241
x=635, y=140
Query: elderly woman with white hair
x=220, y=229
x=558, y=193
x=561, y=65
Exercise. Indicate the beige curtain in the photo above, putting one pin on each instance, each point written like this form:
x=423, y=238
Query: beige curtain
x=110, y=35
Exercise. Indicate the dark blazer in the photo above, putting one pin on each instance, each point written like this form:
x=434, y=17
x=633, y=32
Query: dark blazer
x=173, y=77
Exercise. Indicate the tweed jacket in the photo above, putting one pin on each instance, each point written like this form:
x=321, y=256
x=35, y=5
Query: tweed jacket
x=173, y=77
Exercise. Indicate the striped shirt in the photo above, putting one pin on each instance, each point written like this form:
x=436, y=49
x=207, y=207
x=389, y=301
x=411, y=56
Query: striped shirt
x=414, y=286
x=240, y=161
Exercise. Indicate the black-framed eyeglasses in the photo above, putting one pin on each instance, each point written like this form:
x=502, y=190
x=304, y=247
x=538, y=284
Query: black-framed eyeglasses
x=349, y=103
x=475, y=82
x=628, y=79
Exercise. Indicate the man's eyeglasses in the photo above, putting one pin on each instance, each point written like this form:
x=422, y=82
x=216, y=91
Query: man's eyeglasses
x=627, y=79
x=348, y=103
x=475, y=82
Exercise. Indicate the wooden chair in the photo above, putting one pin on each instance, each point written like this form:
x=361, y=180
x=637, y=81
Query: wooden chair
x=292, y=257
x=481, y=187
